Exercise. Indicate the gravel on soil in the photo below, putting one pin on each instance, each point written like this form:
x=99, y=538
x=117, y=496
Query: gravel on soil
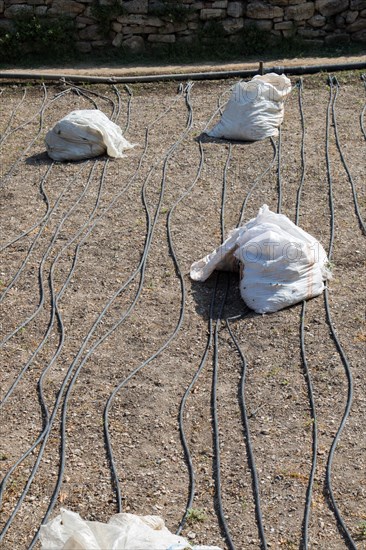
x=55, y=205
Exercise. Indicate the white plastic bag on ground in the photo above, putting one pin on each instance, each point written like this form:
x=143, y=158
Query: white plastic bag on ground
x=282, y=264
x=255, y=109
x=123, y=532
x=85, y=134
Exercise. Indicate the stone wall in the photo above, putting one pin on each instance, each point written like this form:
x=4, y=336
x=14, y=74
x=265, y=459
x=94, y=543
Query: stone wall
x=141, y=24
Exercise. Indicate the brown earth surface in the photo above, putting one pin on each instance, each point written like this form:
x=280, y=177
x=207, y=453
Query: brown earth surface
x=54, y=322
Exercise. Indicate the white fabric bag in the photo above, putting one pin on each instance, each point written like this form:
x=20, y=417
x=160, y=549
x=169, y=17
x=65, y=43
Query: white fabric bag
x=85, y=134
x=255, y=109
x=123, y=532
x=282, y=264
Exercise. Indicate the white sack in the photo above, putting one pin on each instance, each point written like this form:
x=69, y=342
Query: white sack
x=123, y=532
x=85, y=134
x=255, y=109
x=282, y=264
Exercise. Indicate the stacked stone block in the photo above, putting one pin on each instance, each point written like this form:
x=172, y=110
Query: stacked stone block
x=143, y=26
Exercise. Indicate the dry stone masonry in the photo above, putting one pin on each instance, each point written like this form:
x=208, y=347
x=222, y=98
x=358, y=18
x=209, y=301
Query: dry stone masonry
x=138, y=25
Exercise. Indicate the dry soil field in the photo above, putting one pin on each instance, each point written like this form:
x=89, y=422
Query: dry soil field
x=111, y=356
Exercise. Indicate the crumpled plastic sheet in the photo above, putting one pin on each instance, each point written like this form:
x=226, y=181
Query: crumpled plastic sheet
x=69, y=531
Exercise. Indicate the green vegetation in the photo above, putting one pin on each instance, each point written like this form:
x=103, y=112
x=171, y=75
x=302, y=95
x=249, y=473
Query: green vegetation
x=104, y=13
x=34, y=41
x=195, y=515
x=170, y=10
x=37, y=36
x=361, y=531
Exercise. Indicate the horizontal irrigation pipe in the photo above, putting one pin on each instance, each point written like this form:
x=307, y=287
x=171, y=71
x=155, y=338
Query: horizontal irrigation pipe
x=211, y=75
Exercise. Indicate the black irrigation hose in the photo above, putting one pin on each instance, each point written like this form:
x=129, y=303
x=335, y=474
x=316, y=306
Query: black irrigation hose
x=123, y=383
x=248, y=441
x=309, y=491
x=42, y=263
x=310, y=390
x=115, y=114
x=183, y=437
x=329, y=175
x=347, y=368
x=185, y=446
x=344, y=162
x=95, y=325
x=14, y=166
x=39, y=222
x=303, y=158
x=362, y=115
x=87, y=93
x=258, y=180
x=279, y=176
x=215, y=421
x=342, y=526
x=223, y=198
x=42, y=225
x=50, y=325
x=242, y=400
x=214, y=337
x=202, y=364
x=129, y=104
x=215, y=372
x=6, y=133
x=210, y=75
x=55, y=311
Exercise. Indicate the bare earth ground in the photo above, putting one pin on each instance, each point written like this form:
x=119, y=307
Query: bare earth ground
x=143, y=418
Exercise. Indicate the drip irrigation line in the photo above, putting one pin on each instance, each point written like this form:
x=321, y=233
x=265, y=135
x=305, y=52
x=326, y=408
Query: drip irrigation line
x=129, y=104
x=279, y=177
x=54, y=313
x=341, y=524
x=242, y=400
x=189, y=124
x=304, y=543
x=35, y=240
x=248, y=440
x=329, y=174
x=215, y=373
x=39, y=222
x=300, y=87
x=215, y=422
x=223, y=196
x=328, y=478
x=258, y=180
x=40, y=113
x=310, y=390
x=87, y=93
x=204, y=358
x=210, y=75
x=51, y=322
x=42, y=263
x=67, y=378
x=116, y=111
x=344, y=162
x=362, y=115
x=187, y=454
x=48, y=427
x=7, y=130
